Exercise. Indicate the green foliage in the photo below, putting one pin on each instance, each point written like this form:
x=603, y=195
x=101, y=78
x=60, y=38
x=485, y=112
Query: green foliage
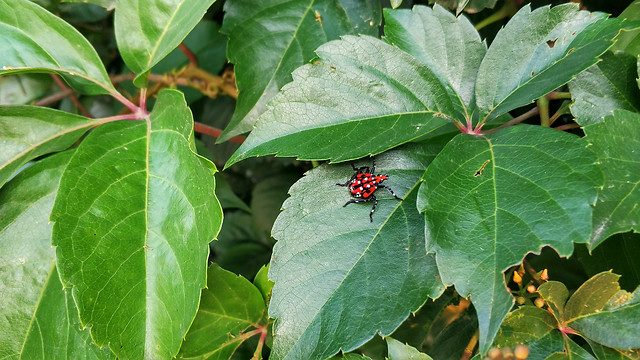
x=110, y=199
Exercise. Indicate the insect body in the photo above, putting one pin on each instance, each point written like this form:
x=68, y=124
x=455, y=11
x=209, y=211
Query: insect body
x=363, y=185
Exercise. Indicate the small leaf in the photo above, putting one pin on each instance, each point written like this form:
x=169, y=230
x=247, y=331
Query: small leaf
x=30, y=131
x=229, y=307
x=362, y=96
x=400, y=351
x=340, y=279
x=145, y=40
x=107, y=4
x=34, y=40
x=607, y=257
x=604, y=87
x=598, y=309
x=284, y=35
x=629, y=41
x=133, y=247
x=478, y=221
x=449, y=45
x=555, y=294
x=537, y=52
x=616, y=142
x=36, y=316
x=263, y=283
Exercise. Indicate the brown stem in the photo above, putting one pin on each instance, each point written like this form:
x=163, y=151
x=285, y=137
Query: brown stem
x=54, y=98
x=257, y=355
x=215, y=132
x=73, y=98
x=567, y=127
x=468, y=351
x=189, y=54
x=518, y=119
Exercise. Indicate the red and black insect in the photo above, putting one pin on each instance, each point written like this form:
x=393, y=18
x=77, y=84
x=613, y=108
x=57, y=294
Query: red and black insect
x=364, y=183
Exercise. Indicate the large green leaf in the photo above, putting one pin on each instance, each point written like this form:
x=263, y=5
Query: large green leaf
x=534, y=327
x=616, y=142
x=229, y=306
x=340, y=279
x=37, y=318
x=604, y=87
x=268, y=39
x=449, y=45
x=34, y=40
x=539, y=51
x=362, y=96
x=134, y=215
x=489, y=200
x=147, y=31
x=29, y=132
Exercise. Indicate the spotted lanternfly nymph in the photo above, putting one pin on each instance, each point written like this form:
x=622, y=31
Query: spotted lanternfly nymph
x=364, y=183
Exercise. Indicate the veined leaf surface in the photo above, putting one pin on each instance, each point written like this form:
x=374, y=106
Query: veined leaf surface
x=339, y=279
x=134, y=216
x=489, y=200
x=34, y=40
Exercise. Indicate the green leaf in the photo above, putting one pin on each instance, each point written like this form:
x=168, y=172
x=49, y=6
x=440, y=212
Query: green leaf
x=400, y=351
x=605, y=353
x=38, y=41
x=470, y=6
x=362, y=96
x=574, y=352
x=629, y=41
x=30, y=131
x=607, y=257
x=539, y=51
x=229, y=307
x=263, y=283
x=145, y=40
x=37, y=318
x=340, y=279
x=107, y=4
x=616, y=142
x=133, y=219
x=555, y=294
x=604, y=87
x=268, y=39
x=23, y=88
x=598, y=309
x=534, y=327
x=449, y=45
x=478, y=221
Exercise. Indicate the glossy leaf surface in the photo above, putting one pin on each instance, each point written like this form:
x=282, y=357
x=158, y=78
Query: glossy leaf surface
x=37, y=318
x=400, y=351
x=534, y=327
x=269, y=39
x=362, y=96
x=29, y=131
x=133, y=219
x=480, y=222
x=537, y=52
x=147, y=31
x=38, y=41
x=229, y=306
x=449, y=45
x=607, y=86
x=339, y=279
x=107, y=4
x=616, y=142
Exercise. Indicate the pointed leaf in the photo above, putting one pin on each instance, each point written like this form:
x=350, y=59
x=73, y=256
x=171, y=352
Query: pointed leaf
x=133, y=218
x=145, y=40
x=607, y=257
x=30, y=131
x=340, y=279
x=34, y=40
x=229, y=306
x=555, y=294
x=539, y=51
x=602, y=313
x=37, y=319
x=449, y=45
x=400, y=351
x=616, y=142
x=284, y=35
x=604, y=87
x=361, y=91
x=479, y=223
x=629, y=41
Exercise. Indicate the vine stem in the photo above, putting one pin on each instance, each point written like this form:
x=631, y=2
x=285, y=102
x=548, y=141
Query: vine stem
x=71, y=95
x=518, y=119
x=215, y=132
x=468, y=351
x=189, y=54
x=257, y=355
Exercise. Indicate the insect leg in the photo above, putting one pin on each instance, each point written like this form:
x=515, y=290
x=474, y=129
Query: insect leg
x=391, y=191
x=373, y=208
x=353, y=201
